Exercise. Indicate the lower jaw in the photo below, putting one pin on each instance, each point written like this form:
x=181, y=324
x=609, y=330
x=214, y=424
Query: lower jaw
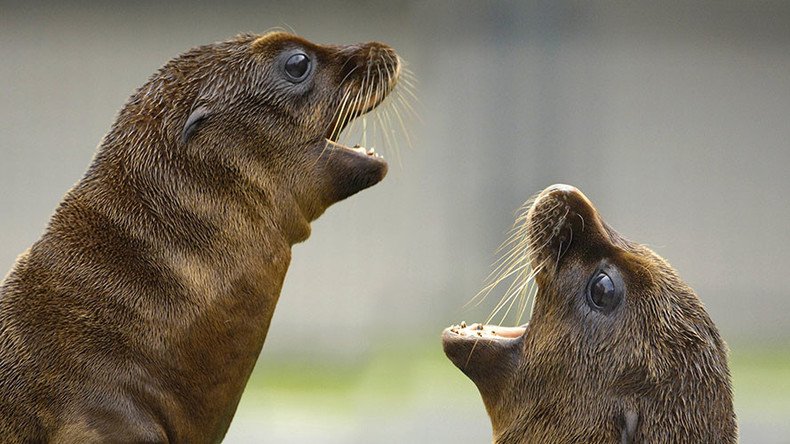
x=349, y=170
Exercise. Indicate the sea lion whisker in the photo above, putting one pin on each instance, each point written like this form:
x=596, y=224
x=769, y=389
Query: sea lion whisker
x=412, y=95
x=368, y=97
x=339, y=114
x=407, y=77
x=559, y=249
x=353, y=109
x=342, y=83
x=530, y=296
x=514, y=261
x=522, y=278
x=513, y=257
x=502, y=303
x=505, y=265
x=518, y=245
x=343, y=67
x=407, y=108
x=364, y=130
x=384, y=129
x=513, y=298
x=570, y=241
x=288, y=28
x=337, y=123
x=471, y=351
x=380, y=92
x=489, y=287
x=519, y=277
x=388, y=118
x=520, y=282
x=524, y=297
x=364, y=100
x=346, y=93
x=512, y=294
x=334, y=134
x=348, y=119
x=517, y=233
x=403, y=127
x=403, y=99
x=406, y=70
x=389, y=112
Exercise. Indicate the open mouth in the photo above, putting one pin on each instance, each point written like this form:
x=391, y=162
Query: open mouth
x=479, y=331
x=340, y=124
x=356, y=109
x=483, y=351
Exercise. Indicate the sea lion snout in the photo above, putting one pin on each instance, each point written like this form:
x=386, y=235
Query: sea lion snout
x=561, y=218
x=373, y=55
x=553, y=202
x=379, y=67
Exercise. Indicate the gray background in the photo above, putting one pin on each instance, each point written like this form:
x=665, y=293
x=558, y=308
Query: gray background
x=671, y=116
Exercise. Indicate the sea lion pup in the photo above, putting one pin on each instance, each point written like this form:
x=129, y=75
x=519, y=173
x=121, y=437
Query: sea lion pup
x=140, y=313
x=618, y=349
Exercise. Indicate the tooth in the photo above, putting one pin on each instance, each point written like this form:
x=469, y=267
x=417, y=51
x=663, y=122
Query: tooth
x=463, y=324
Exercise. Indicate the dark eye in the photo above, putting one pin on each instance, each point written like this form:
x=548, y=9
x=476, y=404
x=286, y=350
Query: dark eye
x=604, y=295
x=297, y=66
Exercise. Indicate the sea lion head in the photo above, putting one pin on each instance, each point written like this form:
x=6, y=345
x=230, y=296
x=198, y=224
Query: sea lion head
x=618, y=347
x=263, y=112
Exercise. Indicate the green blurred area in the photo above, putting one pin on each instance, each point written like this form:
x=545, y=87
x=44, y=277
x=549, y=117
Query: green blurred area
x=387, y=375
x=407, y=377
x=761, y=380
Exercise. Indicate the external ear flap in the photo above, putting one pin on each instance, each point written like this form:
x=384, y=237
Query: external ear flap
x=197, y=117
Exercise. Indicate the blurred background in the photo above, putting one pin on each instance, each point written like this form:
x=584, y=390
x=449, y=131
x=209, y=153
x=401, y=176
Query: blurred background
x=671, y=116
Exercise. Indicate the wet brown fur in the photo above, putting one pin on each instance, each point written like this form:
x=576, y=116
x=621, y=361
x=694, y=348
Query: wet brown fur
x=652, y=371
x=140, y=313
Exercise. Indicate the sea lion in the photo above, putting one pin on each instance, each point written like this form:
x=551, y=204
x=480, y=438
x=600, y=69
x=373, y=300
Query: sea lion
x=618, y=347
x=140, y=313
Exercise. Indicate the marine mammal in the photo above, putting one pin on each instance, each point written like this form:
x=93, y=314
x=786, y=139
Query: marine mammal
x=140, y=313
x=618, y=347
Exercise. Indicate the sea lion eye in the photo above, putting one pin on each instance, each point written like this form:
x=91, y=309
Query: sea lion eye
x=297, y=66
x=603, y=294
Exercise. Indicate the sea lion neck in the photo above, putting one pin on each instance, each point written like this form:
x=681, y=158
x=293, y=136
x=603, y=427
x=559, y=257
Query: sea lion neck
x=246, y=187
